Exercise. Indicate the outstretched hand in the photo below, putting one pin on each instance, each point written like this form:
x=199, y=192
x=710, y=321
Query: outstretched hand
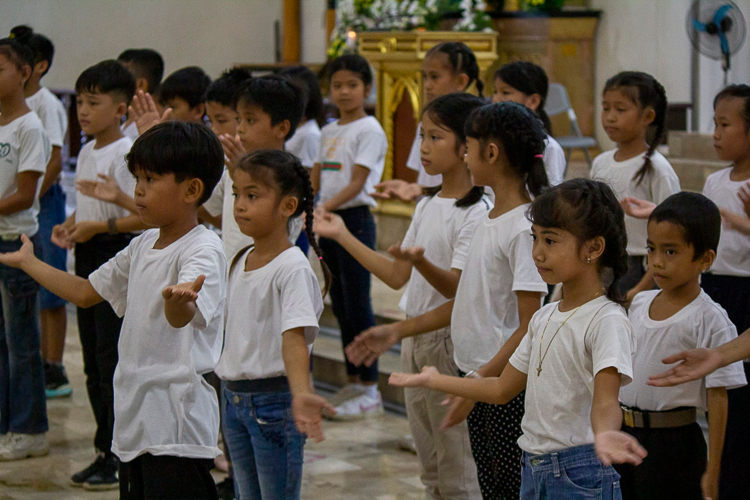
x=105, y=189
x=421, y=379
x=396, y=189
x=61, y=237
x=617, y=447
x=696, y=364
x=458, y=412
x=328, y=225
x=145, y=113
x=233, y=149
x=640, y=209
x=83, y=231
x=307, y=409
x=412, y=254
x=184, y=292
x=16, y=259
x=370, y=344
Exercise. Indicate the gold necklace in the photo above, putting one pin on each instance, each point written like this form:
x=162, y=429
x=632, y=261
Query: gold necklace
x=541, y=340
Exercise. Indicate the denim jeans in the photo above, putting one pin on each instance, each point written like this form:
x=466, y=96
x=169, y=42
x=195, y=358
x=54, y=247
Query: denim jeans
x=51, y=213
x=266, y=447
x=573, y=473
x=23, y=406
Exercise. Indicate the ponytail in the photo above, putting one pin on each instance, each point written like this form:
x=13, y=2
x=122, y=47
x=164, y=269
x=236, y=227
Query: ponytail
x=462, y=61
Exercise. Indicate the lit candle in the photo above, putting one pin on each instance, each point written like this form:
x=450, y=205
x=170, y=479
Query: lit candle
x=351, y=39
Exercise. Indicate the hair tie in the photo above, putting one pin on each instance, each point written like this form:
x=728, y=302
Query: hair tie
x=538, y=156
x=320, y=258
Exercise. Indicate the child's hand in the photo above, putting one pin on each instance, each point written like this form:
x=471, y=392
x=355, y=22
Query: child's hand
x=617, y=447
x=640, y=209
x=731, y=220
x=710, y=485
x=17, y=258
x=370, y=344
x=457, y=413
x=744, y=194
x=397, y=189
x=233, y=149
x=306, y=409
x=412, y=254
x=184, y=292
x=106, y=189
x=60, y=237
x=696, y=364
x=145, y=113
x=414, y=379
x=83, y=231
x=328, y=225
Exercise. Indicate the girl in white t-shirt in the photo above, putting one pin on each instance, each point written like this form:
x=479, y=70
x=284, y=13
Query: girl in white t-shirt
x=526, y=83
x=431, y=258
x=352, y=157
x=633, y=104
x=24, y=153
x=273, y=306
x=499, y=291
x=576, y=355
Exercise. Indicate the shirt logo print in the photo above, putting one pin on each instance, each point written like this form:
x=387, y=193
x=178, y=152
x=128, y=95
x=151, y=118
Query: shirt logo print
x=4, y=149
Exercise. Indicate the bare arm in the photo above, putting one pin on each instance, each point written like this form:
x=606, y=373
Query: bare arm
x=444, y=281
x=717, y=425
x=179, y=302
x=24, y=196
x=85, y=230
x=315, y=177
x=54, y=167
x=355, y=186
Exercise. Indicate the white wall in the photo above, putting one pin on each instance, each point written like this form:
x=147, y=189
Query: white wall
x=211, y=34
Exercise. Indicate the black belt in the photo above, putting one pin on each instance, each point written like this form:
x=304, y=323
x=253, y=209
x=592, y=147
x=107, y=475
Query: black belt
x=271, y=384
x=639, y=419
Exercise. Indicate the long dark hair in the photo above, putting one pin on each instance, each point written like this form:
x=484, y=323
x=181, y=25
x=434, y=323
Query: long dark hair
x=588, y=209
x=462, y=61
x=284, y=172
x=530, y=79
x=645, y=91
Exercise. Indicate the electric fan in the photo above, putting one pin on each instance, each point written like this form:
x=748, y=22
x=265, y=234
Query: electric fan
x=717, y=29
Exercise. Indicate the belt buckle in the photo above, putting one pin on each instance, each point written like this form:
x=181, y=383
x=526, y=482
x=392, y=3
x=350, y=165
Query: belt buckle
x=627, y=418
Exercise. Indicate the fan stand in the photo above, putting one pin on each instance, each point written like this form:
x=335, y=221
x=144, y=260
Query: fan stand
x=725, y=66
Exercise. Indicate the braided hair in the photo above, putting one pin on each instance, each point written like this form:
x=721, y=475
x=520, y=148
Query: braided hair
x=284, y=172
x=518, y=130
x=588, y=209
x=646, y=92
x=462, y=61
x=530, y=79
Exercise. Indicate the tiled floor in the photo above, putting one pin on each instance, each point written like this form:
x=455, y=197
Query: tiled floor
x=357, y=460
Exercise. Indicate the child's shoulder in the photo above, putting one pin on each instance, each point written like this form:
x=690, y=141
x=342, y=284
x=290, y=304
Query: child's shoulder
x=605, y=158
x=641, y=300
x=712, y=313
x=720, y=177
x=661, y=164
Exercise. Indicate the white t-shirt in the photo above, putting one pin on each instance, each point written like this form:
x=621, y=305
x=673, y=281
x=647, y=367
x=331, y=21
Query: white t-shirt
x=162, y=404
x=131, y=130
x=733, y=254
x=51, y=111
x=414, y=162
x=554, y=161
x=557, y=413
x=305, y=143
x=109, y=160
x=361, y=142
x=702, y=323
x=24, y=147
x=444, y=231
x=261, y=306
x=499, y=264
x=656, y=187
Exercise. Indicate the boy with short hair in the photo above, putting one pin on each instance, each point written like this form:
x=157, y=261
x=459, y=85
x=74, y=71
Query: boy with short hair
x=147, y=67
x=183, y=91
x=683, y=235
x=170, y=285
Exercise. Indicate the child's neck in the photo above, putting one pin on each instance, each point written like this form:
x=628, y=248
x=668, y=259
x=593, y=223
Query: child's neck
x=32, y=87
x=353, y=115
x=12, y=106
x=456, y=181
x=631, y=149
x=669, y=302
x=268, y=247
x=581, y=289
x=108, y=136
x=510, y=193
x=740, y=169
x=176, y=229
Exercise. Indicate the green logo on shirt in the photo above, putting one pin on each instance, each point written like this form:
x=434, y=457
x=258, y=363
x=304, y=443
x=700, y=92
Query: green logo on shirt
x=4, y=149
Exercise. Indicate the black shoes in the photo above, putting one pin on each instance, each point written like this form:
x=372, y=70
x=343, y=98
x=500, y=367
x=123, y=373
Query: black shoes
x=100, y=475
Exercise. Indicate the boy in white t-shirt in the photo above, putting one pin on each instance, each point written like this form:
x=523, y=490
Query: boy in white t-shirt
x=683, y=235
x=170, y=284
x=147, y=67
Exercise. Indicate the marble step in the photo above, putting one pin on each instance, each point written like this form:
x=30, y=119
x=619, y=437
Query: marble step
x=693, y=172
x=691, y=145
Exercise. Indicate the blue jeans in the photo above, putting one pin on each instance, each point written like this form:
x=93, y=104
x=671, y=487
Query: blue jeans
x=266, y=447
x=573, y=473
x=23, y=405
x=51, y=213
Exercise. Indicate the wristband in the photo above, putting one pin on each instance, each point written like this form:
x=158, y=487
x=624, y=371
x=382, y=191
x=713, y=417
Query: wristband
x=472, y=374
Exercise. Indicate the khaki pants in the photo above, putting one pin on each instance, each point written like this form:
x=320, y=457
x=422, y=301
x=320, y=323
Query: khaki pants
x=447, y=465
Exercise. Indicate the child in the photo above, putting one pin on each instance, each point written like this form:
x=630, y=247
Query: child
x=683, y=234
x=170, y=284
x=432, y=257
x=499, y=291
x=273, y=306
x=526, y=83
x=182, y=92
x=572, y=418
x=634, y=102
x=447, y=67
x=51, y=208
x=352, y=157
x=99, y=230
x=25, y=152
x=147, y=67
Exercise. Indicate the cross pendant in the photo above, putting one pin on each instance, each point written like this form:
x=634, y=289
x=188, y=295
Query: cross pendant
x=538, y=370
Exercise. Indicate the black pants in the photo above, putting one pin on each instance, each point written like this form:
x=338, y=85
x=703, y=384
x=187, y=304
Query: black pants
x=99, y=330
x=733, y=294
x=673, y=468
x=166, y=477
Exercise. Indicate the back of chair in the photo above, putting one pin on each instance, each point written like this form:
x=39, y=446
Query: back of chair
x=557, y=100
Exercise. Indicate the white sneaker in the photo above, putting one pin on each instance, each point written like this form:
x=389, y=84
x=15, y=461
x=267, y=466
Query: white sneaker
x=346, y=393
x=19, y=446
x=361, y=407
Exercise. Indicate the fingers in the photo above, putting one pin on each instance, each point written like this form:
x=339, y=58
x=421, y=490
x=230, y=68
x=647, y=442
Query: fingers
x=167, y=114
x=680, y=356
x=181, y=295
x=198, y=284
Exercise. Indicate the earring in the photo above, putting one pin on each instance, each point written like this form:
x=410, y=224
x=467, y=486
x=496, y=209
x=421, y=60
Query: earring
x=588, y=259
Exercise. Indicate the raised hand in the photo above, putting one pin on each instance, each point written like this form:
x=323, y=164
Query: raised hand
x=617, y=447
x=61, y=237
x=306, y=409
x=83, y=231
x=731, y=220
x=328, y=225
x=233, y=149
x=457, y=413
x=370, y=344
x=397, y=189
x=105, y=189
x=421, y=379
x=16, y=259
x=412, y=254
x=696, y=364
x=640, y=209
x=184, y=292
x=145, y=113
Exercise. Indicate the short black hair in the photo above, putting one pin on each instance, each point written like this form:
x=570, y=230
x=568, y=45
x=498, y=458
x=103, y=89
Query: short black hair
x=225, y=89
x=187, y=150
x=145, y=63
x=278, y=97
x=698, y=217
x=107, y=77
x=313, y=96
x=188, y=84
x=741, y=91
x=41, y=46
x=354, y=63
